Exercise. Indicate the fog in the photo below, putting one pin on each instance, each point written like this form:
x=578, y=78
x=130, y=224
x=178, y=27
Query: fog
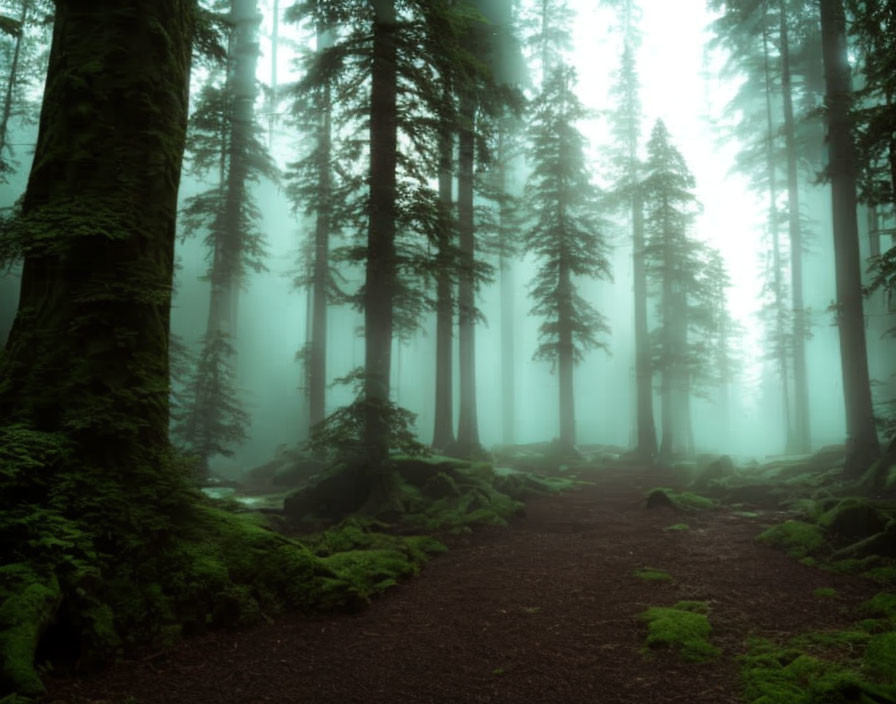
x=682, y=83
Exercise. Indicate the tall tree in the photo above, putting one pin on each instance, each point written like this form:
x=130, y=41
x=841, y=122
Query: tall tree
x=225, y=138
x=88, y=353
x=380, y=273
x=626, y=130
x=801, y=438
x=862, y=443
x=565, y=237
x=673, y=265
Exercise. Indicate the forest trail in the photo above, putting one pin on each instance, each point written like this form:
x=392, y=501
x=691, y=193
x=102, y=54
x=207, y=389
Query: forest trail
x=543, y=612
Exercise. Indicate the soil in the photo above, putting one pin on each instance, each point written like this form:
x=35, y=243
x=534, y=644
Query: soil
x=545, y=611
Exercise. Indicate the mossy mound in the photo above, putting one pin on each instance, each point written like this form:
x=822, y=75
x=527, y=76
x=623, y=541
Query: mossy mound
x=797, y=538
x=677, y=528
x=652, y=574
x=717, y=469
x=787, y=675
x=427, y=494
x=853, y=519
x=683, y=628
x=682, y=501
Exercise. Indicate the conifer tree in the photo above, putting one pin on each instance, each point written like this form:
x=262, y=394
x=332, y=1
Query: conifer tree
x=565, y=237
x=673, y=266
x=224, y=141
x=627, y=195
x=862, y=443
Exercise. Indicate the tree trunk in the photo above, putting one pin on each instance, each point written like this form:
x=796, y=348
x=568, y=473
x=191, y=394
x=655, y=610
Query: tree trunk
x=777, y=279
x=505, y=266
x=646, y=449
x=275, y=48
x=88, y=353
x=667, y=390
x=443, y=431
x=862, y=443
x=13, y=77
x=317, y=373
x=467, y=426
x=800, y=382
x=380, y=266
x=565, y=359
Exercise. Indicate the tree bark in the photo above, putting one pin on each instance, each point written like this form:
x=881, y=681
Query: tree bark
x=443, y=431
x=505, y=266
x=777, y=279
x=646, y=449
x=317, y=372
x=88, y=353
x=13, y=77
x=862, y=442
x=801, y=436
x=565, y=358
x=467, y=426
x=380, y=272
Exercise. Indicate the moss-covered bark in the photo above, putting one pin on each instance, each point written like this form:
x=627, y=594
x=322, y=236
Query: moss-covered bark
x=88, y=352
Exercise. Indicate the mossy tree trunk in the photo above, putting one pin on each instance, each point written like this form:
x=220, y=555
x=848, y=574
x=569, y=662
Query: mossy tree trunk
x=88, y=353
x=862, y=442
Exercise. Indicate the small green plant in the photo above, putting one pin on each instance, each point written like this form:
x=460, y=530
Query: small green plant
x=677, y=527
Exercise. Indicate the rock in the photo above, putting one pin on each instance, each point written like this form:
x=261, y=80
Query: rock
x=853, y=519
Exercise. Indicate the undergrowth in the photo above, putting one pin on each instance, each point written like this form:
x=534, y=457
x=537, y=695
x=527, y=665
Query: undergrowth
x=683, y=628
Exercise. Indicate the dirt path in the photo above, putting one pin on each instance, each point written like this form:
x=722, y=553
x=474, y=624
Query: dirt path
x=545, y=612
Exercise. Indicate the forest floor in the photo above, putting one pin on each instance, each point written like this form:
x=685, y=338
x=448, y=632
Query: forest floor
x=546, y=611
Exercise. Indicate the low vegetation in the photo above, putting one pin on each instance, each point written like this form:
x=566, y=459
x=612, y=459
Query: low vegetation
x=683, y=628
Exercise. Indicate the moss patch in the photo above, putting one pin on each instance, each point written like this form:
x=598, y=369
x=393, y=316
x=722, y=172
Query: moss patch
x=825, y=593
x=683, y=628
x=686, y=500
x=677, y=527
x=651, y=574
x=796, y=538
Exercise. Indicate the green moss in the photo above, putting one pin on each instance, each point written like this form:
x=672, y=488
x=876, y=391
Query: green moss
x=797, y=538
x=880, y=656
x=685, y=500
x=651, y=574
x=684, y=628
x=880, y=605
x=825, y=593
x=28, y=608
x=881, y=575
x=677, y=527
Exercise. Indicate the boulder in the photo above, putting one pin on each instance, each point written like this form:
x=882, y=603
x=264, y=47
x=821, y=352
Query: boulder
x=339, y=491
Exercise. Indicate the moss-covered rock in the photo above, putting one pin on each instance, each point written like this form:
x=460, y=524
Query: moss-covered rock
x=683, y=628
x=682, y=501
x=797, y=538
x=880, y=656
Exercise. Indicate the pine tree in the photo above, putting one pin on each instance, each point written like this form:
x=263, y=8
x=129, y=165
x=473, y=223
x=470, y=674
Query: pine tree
x=565, y=237
x=862, y=443
x=627, y=195
x=224, y=140
x=673, y=263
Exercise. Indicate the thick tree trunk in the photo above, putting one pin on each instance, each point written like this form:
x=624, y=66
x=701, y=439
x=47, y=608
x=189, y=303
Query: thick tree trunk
x=667, y=385
x=443, y=431
x=801, y=437
x=467, y=426
x=646, y=448
x=862, y=443
x=317, y=361
x=88, y=352
x=275, y=50
x=380, y=266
